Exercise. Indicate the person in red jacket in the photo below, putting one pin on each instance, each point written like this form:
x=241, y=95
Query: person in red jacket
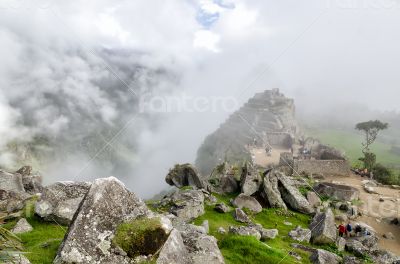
x=342, y=230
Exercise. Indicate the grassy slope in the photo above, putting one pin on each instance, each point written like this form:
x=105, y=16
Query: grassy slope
x=350, y=142
x=239, y=249
x=41, y=244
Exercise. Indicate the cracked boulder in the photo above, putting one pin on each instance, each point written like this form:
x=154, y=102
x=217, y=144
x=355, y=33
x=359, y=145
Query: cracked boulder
x=188, y=204
x=184, y=175
x=248, y=202
x=323, y=228
x=250, y=180
x=60, y=201
x=292, y=196
x=270, y=191
x=89, y=238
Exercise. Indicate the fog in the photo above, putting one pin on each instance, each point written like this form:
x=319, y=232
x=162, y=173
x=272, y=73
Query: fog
x=132, y=87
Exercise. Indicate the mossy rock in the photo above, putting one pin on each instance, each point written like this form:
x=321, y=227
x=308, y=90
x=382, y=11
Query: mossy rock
x=140, y=237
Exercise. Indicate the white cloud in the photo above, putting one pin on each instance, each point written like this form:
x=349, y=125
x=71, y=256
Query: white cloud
x=206, y=39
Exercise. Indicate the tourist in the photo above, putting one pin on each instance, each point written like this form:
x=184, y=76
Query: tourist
x=342, y=230
x=349, y=229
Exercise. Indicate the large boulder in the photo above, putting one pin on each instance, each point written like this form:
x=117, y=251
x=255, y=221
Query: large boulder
x=11, y=182
x=32, y=182
x=323, y=229
x=184, y=175
x=201, y=248
x=292, y=196
x=174, y=250
x=337, y=191
x=89, y=238
x=321, y=256
x=250, y=180
x=222, y=179
x=188, y=204
x=222, y=208
x=248, y=202
x=13, y=201
x=60, y=201
x=313, y=199
x=270, y=191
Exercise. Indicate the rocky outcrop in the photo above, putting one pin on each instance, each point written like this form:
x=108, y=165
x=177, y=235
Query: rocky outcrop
x=250, y=180
x=270, y=191
x=337, y=192
x=201, y=248
x=268, y=112
x=11, y=182
x=300, y=234
x=184, y=175
x=174, y=250
x=292, y=196
x=32, y=182
x=321, y=256
x=88, y=240
x=60, y=201
x=187, y=204
x=323, y=229
x=22, y=226
x=248, y=202
x=11, y=201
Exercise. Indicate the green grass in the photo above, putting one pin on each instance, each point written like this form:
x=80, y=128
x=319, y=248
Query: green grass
x=350, y=143
x=42, y=243
x=240, y=249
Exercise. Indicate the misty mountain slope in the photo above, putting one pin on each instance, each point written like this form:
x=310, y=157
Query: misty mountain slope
x=268, y=117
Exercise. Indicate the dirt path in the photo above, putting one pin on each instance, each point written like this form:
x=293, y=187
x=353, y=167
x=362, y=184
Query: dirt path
x=261, y=158
x=376, y=212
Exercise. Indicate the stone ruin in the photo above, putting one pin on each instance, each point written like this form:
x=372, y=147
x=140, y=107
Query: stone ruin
x=267, y=118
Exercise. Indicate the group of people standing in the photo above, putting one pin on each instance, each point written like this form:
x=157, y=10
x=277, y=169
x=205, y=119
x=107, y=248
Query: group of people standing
x=348, y=231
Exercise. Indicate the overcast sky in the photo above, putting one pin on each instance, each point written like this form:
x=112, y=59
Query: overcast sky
x=320, y=52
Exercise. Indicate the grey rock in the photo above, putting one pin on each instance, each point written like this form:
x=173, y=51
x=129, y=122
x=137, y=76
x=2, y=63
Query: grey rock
x=356, y=247
x=267, y=234
x=384, y=256
x=18, y=259
x=323, y=229
x=270, y=191
x=12, y=202
x=340, y=243
x=184, y=175
x=370, y=189
x=292, y=196
x=88, y=240
x=241, y=216
x=22, y=226
x=313, y=199
x=300, y=234
x=321, y=256
x=245, y=201
x=60, y=201
x=245, y=231
x=11, y=182
x=188, y=204
x=174, y=250
x=222, y=208
x=32, y=182
x=337, y=191
x=250, y=181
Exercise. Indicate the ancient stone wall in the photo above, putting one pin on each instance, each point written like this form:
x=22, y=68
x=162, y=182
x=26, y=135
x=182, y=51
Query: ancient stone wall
x=323, y=167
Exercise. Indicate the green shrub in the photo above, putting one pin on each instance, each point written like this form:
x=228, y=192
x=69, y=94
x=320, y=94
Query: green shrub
x=384, y=175
x=140, y=237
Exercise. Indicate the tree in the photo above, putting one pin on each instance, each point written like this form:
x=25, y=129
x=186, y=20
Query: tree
x=371, y=130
